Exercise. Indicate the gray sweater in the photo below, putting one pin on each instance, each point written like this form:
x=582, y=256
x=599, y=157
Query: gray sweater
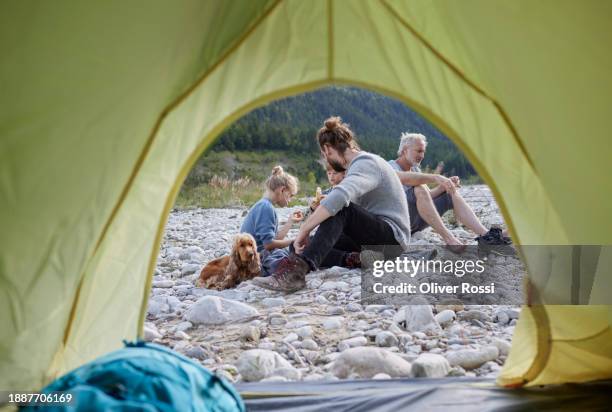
x=372, y=183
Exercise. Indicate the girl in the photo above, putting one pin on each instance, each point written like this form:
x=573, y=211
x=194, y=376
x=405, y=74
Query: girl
x=262, y=221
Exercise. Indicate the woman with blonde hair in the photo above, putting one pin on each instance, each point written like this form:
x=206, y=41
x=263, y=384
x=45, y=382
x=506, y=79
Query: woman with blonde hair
x=262, y=221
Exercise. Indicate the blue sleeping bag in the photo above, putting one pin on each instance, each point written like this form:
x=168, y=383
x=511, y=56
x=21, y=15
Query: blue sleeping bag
x=143, y=377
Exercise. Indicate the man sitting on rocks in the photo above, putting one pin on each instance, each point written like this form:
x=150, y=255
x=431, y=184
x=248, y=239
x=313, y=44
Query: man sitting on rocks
x=427, y=206
x=367, y=208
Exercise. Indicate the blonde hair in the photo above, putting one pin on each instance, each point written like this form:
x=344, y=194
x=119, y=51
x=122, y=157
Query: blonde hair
x=279, y=178
x=408, y=139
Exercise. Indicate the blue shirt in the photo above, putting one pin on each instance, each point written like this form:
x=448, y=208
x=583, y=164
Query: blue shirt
x=261, y=223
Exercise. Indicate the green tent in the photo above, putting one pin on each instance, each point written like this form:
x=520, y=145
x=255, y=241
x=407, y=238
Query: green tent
x=106, y=105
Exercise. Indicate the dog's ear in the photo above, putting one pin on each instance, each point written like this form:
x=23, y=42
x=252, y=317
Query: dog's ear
x=235, y=254
x=255, y=264
x=231, y=274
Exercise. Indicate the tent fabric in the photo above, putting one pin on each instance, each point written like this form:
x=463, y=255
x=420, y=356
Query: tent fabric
x=435, y=395
x=143, y=377
x=105, y=107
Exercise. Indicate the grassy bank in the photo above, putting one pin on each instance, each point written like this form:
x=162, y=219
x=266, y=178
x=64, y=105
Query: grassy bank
x=223, y=192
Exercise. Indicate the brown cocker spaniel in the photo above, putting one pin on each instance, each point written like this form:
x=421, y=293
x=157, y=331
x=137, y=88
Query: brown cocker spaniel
x=228, y=271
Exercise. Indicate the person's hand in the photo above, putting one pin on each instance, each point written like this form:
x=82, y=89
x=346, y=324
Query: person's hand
x=300, y=242
x=447, y=184
x=316, y=202
x=296, y=216
x=456, y=181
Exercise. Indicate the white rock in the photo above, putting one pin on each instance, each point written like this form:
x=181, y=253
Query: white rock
x=156, y=308
x=417, y=318
x=429, y=365
x=183, y=326
x=472, y=358
x=163, y=284
x=257, y=364
x=474, y=314
x=445, y=317
x=277, y=319
x=150, y=333
x=330, y=285
x=273, y=302
x=381, y=376
x=386, y=339
x=396, y=330
x=333, y=323
x=353, y=307
x=267, y=345
x=181, y=335
x=368, y=362
x=250, y=333
x=352, y=343
x=335, y=310
x=304, y=332
x=290, y=338
x=310, y=344
x=321, y=300
x=503, y=346
x=190, y=269
x=213, y=310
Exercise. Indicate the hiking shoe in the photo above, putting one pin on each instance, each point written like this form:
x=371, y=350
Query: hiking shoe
x=352, y=260
x=289, y=276
x=493, y=241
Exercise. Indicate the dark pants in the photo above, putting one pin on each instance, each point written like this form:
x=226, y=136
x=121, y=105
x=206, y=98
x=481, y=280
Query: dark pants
x=348, y=231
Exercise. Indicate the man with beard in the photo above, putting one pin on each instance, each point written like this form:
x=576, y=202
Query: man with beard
x=427, y=206
x=367, y=208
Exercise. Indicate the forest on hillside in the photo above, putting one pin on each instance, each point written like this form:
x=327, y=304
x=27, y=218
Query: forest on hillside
x=291, y=124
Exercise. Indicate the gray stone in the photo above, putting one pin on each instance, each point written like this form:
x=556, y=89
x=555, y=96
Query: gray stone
x=257, y=364
x=163, y=284
x=472, y=358
x=250, y=333
x=304, y=332
x=190, y=269
x=290, y=338
x=151, y=333
x=429, y=365
x=352, y=343
x=310, y=344
x=331, y=285
x=445, y=317
x=333, y=323
x=183, y=326
x=335, y=310
x=503, y=346
x=273, y=302
x=277, y=320
x=353, y=307
x=213, y=310
x=386, y=339
x=368, y=362
x=417, y=318
x=474, y=315
x=196, y=352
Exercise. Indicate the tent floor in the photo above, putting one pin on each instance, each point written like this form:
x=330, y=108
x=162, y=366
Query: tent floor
x=447, y=394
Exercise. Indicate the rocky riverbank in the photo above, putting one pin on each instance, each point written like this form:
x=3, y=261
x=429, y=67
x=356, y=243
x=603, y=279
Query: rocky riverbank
x=323, y=331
